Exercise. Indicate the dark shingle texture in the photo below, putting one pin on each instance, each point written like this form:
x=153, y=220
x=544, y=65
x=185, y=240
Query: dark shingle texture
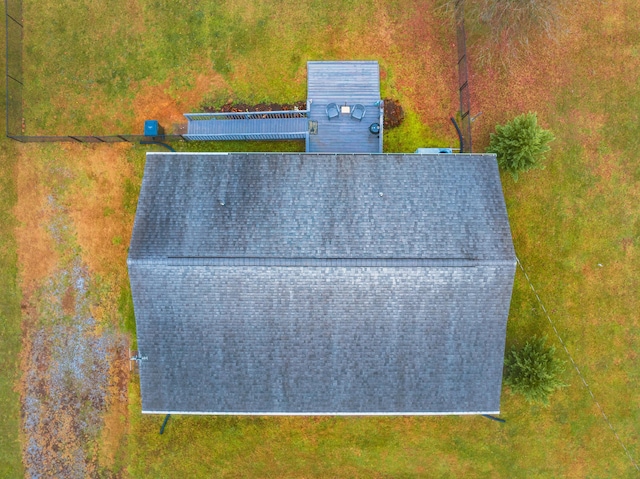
x=321, y=206
x=308, y=292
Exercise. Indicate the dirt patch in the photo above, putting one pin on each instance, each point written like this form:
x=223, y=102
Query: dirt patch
x=71, y=356
x=36, y=255
x=168, y=104
x=116, y=423
x=393, y=113
x=95, y=204
x=66, y=377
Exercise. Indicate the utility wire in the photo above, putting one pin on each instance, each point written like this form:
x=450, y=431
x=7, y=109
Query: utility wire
x=635, y=464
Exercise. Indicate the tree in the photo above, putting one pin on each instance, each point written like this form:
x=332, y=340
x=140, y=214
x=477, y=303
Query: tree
x=534, y=371
x=520, y=144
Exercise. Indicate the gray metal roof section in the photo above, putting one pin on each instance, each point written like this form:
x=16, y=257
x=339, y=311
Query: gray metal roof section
x=344, y=83
x=309, y=292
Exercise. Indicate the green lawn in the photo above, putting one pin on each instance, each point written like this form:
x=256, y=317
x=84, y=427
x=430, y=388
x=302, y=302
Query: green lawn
x=10, y=461
x=10, y=335
x=89, y=68
x=86, y=64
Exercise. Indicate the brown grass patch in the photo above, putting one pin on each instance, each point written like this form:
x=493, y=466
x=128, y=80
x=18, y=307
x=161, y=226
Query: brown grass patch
x=95, y=203
x=69, y=302
x=116, y=423
x=528, y=82
x=74, y=373
x=76, y=190
x=605, y=166
x=627, y=246
x=568, y=63
x=527, y=86
x=587, y=127
x=167, y=105
x=36, y=255
x=588, y=272
x=577, y=463
x=424, y=66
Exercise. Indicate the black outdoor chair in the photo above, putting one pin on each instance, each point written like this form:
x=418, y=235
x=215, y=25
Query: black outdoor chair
x=332, y=110
x=358, y=111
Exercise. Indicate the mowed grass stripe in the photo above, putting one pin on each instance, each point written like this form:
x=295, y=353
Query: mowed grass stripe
x=577, y=369
x=10, y=316
x=10, y=332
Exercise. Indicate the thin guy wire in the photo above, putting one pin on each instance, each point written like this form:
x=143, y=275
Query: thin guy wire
x=635, y=464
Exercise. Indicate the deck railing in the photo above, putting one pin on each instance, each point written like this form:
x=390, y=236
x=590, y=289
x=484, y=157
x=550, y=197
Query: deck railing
x=249, y=125
x=248, y=115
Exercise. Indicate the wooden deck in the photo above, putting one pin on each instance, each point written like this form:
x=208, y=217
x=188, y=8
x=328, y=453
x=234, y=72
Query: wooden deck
x=344, y=83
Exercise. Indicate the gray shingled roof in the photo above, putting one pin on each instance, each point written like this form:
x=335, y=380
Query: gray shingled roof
x=311, y=283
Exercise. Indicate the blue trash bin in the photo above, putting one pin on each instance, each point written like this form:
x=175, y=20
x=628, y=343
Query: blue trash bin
x=151, y=128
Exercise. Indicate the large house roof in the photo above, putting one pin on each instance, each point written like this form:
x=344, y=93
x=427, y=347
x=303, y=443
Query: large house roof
x=321, y=283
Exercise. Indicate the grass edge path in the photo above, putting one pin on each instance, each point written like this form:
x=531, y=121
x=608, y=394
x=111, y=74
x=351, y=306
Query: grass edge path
x=10, y=321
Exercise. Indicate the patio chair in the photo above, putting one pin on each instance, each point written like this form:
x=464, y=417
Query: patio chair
x=358, y=111
x=332, y=110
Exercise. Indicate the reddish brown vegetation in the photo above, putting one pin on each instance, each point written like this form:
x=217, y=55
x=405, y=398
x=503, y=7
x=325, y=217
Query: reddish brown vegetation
x=240, y=107
x=422, y=54
x=393, y=113
x=159, y=102
x=36, y=255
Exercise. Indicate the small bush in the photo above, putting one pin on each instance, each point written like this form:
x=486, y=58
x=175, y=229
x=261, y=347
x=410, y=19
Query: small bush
x=533, y=371
x=520, y=144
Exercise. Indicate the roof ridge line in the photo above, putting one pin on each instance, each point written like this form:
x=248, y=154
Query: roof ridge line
x=319, y=262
